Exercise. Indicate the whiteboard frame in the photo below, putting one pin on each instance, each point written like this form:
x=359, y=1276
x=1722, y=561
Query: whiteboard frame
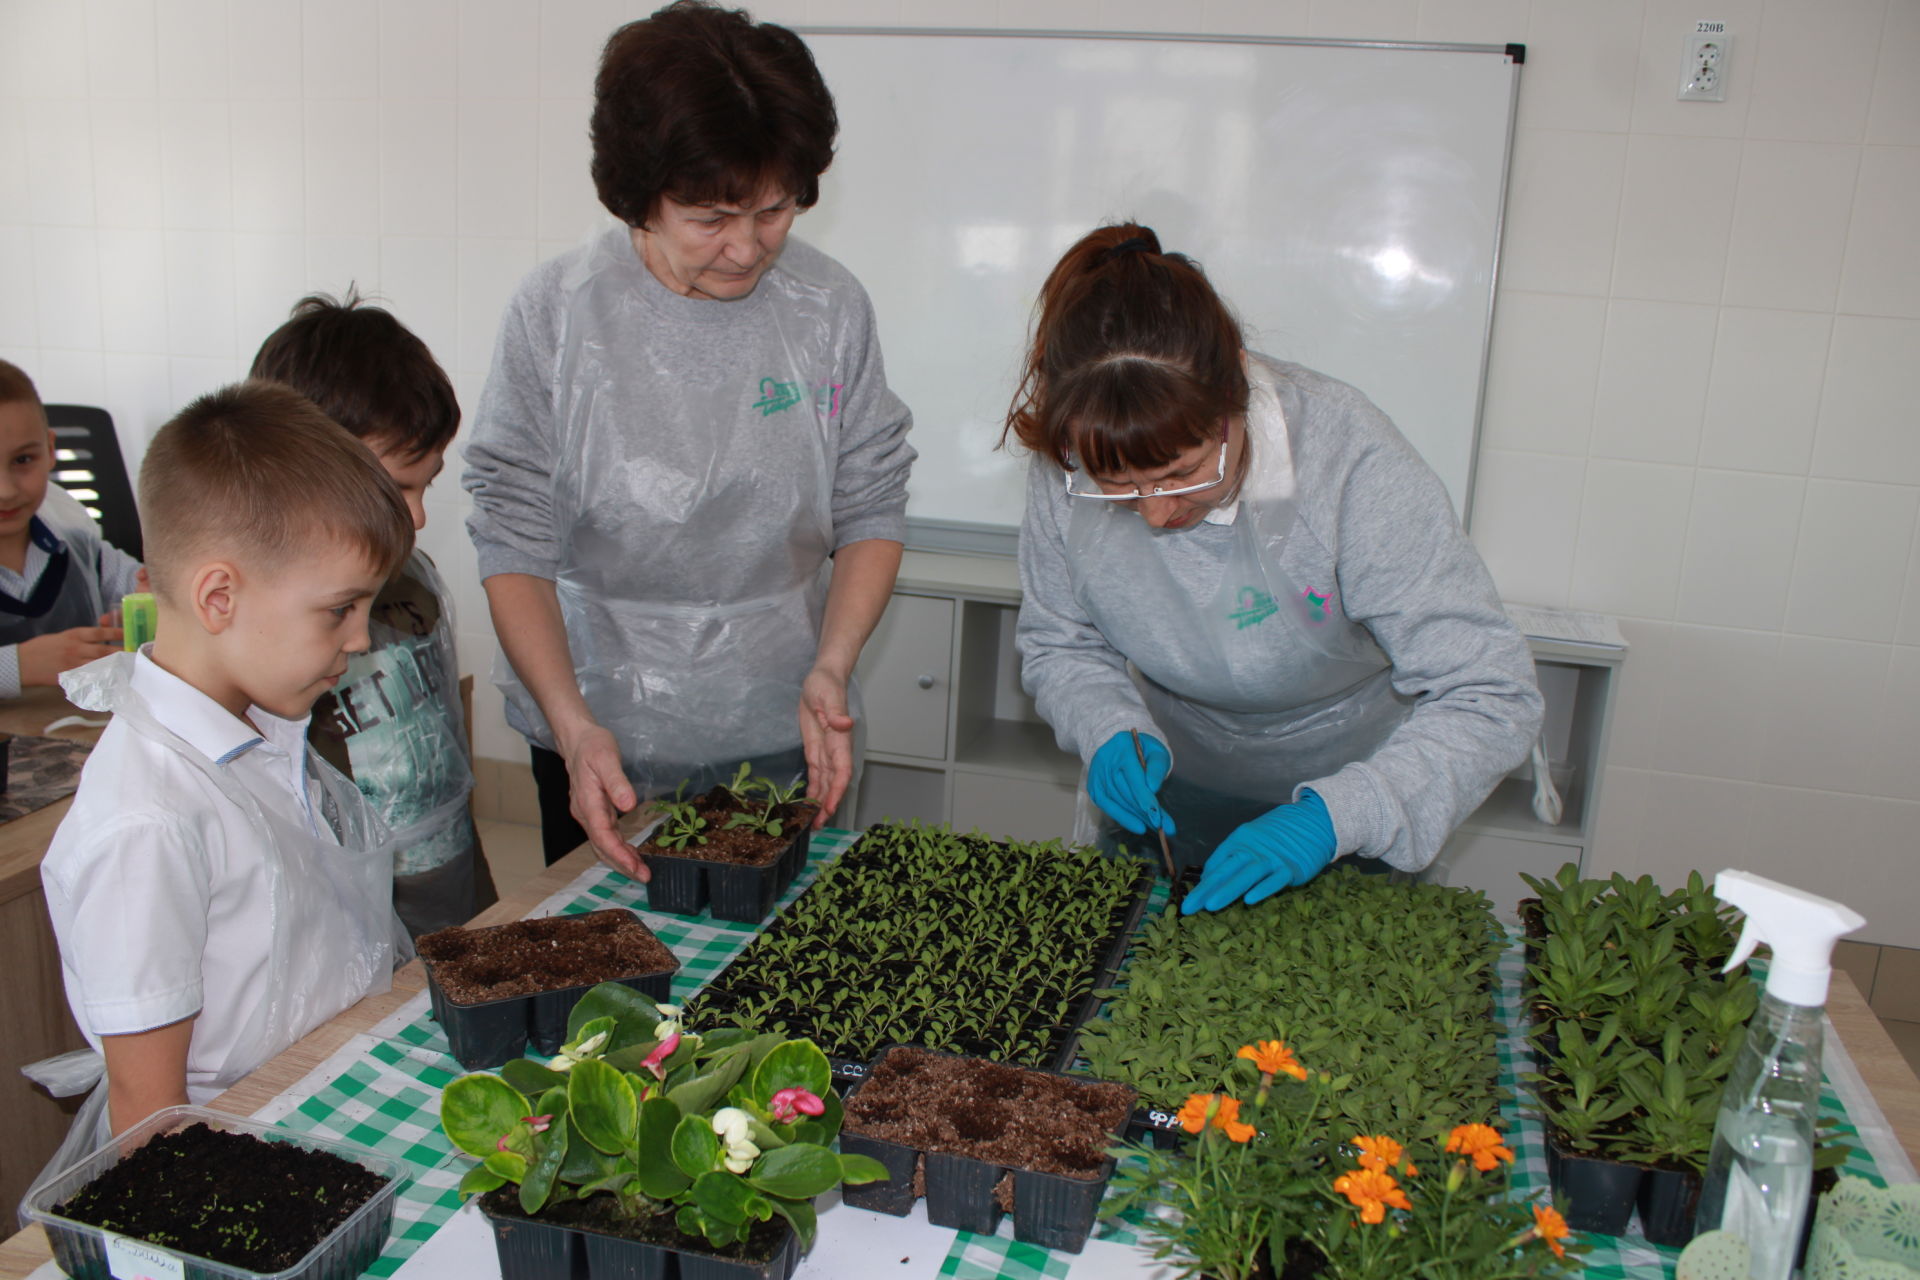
x=973, y=537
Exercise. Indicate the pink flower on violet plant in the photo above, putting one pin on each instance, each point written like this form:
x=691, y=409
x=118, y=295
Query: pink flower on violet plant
x=538, y=1124
x=790, y=1104
x=661, y=1052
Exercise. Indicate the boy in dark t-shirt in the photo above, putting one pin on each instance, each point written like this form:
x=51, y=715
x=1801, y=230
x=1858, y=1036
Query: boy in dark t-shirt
x=395, y=725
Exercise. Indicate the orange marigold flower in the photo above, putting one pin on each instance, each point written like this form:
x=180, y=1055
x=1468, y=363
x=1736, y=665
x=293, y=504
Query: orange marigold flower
x=1548, y=1225
x=1377, y=1152
x=1227, y=1118
x=1194, y=1112
x=1271, y=1058
x=1372, y=1191
x=1480, y=1141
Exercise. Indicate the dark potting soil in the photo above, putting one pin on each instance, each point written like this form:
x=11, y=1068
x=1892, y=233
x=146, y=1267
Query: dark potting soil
x=225, y=1196
x=1003, y=1115
x=740, y=845
x=474, y=966
x=601, y=1213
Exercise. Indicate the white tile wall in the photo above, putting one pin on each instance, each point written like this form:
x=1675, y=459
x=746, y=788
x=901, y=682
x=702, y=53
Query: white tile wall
x=1700, y=412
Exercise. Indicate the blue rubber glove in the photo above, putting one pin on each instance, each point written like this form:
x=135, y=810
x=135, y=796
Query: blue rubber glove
x=1277, y=850
x=1126, y=792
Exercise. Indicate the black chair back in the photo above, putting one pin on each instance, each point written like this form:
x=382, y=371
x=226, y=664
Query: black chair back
x=87, y=464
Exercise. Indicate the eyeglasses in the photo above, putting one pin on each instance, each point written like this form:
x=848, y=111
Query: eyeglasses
x=1135, y=495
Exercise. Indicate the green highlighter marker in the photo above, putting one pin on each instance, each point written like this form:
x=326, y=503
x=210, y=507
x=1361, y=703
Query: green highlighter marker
x=139, y=619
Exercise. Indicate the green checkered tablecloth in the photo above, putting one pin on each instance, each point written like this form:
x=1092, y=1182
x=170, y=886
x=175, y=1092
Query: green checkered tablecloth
x=384, y=1094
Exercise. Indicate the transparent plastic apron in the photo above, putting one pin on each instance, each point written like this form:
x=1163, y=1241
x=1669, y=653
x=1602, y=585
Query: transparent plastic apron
x=409, y=754
x=1257, y=682
x=696, y=532
x=334, y=936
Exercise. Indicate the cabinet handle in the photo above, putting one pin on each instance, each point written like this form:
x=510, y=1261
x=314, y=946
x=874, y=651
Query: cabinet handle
x=925, y=682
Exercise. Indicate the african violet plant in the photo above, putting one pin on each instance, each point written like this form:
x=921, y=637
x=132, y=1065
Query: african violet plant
x=1385, y=985
x=724, y=1129
x=1271, y=1182
x=917, y=935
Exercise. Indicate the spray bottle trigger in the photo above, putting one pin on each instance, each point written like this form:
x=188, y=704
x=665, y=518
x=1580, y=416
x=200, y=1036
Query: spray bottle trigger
x=1749, y=939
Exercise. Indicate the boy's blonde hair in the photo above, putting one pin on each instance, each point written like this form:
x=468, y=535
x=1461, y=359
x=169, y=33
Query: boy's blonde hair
x=255, y=473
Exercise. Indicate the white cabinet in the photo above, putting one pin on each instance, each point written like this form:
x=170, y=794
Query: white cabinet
x=951, y=737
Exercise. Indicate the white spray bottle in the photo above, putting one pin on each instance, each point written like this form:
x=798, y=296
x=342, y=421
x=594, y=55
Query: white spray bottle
x=1760, y=1172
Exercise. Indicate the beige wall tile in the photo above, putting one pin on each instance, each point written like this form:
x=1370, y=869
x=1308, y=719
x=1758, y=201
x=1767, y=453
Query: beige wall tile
x=1896, y=984
x=1859, y=959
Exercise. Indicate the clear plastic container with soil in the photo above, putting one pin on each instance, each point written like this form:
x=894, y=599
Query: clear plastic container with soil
x=980, y=1138
x=498, y=989
x=591, y=1240
x=919, y=936
x=188, y=1182
x=744, y=854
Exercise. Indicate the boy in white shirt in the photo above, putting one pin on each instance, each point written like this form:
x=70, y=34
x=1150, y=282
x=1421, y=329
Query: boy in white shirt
x=218, y=890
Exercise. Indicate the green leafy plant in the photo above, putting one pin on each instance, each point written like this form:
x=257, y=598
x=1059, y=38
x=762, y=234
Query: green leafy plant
x=921, y=936
x=723, y=1130
x=681, y=823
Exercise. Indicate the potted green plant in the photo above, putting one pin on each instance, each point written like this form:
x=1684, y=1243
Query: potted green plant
x=496, y=989
x=217, y=1197
x=981, y=1138
x=734, y=849
x=642, y=1139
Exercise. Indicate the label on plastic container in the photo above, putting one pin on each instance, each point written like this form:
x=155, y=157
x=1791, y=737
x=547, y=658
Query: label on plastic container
x=137, y=1260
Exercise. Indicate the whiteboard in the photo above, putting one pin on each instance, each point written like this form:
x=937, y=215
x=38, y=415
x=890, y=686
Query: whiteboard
x=1344, y=198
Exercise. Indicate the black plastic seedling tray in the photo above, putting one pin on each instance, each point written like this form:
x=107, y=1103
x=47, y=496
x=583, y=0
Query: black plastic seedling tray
x=685, y=884
x=532, y=1249
x=1049, y=1210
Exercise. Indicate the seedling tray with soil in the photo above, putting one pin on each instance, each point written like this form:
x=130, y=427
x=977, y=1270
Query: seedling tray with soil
x=917, y=935
x=497, y=989
x=733, y=850
x=980, y=1138
x=230, y=1198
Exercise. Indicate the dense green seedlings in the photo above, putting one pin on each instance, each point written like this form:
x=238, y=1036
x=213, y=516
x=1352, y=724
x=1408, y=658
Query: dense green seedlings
x=1385, y=985
x=920, y=936
x=1635, y=1027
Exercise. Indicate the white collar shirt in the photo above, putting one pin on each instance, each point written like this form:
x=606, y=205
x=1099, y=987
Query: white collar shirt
x=159, y=885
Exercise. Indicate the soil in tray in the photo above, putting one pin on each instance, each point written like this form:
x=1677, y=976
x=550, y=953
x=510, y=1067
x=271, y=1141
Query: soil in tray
x=601, y=1213
x=230, y=1197
x=740, y=845
x=474, y=966
x=999, y=1114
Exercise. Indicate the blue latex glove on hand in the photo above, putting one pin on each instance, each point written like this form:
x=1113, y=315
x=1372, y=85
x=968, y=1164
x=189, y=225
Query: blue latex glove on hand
x=1277, y=850
x=1126, y=791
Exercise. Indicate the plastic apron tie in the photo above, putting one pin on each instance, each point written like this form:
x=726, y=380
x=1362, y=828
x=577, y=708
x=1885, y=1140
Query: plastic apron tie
x=1257, y=682
x=695, y=512
x=332, y=927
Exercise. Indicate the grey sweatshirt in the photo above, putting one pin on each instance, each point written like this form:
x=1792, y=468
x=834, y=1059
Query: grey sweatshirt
x=689, y=344
x=1374, y=519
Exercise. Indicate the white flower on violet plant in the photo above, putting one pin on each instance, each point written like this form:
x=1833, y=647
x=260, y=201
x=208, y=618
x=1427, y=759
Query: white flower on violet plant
x=592, y=1047
x=733, y=1126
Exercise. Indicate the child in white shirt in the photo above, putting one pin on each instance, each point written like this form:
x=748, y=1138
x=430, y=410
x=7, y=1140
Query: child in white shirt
x=217, y=890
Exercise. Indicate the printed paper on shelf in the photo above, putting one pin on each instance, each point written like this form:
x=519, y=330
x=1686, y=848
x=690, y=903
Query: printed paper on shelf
x=1568, y=626
x=137, y=1260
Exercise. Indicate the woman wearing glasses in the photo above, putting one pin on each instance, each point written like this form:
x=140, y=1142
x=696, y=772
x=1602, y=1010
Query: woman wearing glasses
x=1322, y=665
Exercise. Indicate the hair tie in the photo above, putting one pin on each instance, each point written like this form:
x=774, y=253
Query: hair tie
x=1134, y=244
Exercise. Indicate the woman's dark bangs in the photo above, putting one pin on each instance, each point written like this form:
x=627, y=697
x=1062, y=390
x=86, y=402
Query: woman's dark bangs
x=1115, y=430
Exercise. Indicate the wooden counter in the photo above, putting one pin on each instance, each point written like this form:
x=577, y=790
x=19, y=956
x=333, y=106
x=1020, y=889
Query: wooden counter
x=33, y=1001
x=1880, y=1064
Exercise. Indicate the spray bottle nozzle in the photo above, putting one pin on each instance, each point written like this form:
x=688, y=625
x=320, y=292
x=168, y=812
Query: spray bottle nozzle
x=1800, y=927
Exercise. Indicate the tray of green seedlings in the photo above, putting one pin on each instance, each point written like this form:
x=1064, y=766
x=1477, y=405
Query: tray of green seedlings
x=918, y=935
x=1385, y=985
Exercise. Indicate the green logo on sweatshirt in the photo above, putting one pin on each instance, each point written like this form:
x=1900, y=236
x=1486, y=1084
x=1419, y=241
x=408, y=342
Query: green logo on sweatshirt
x=1256, y=606
x=777, y=396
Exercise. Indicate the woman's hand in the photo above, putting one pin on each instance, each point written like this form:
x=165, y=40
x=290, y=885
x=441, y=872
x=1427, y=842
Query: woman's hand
x=600, y=793
x=826, y=732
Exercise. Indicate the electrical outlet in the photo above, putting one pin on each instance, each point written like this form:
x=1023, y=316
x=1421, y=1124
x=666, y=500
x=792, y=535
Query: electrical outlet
x=1703, y=67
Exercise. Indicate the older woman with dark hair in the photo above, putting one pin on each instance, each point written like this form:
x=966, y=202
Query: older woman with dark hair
x=689, y=475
